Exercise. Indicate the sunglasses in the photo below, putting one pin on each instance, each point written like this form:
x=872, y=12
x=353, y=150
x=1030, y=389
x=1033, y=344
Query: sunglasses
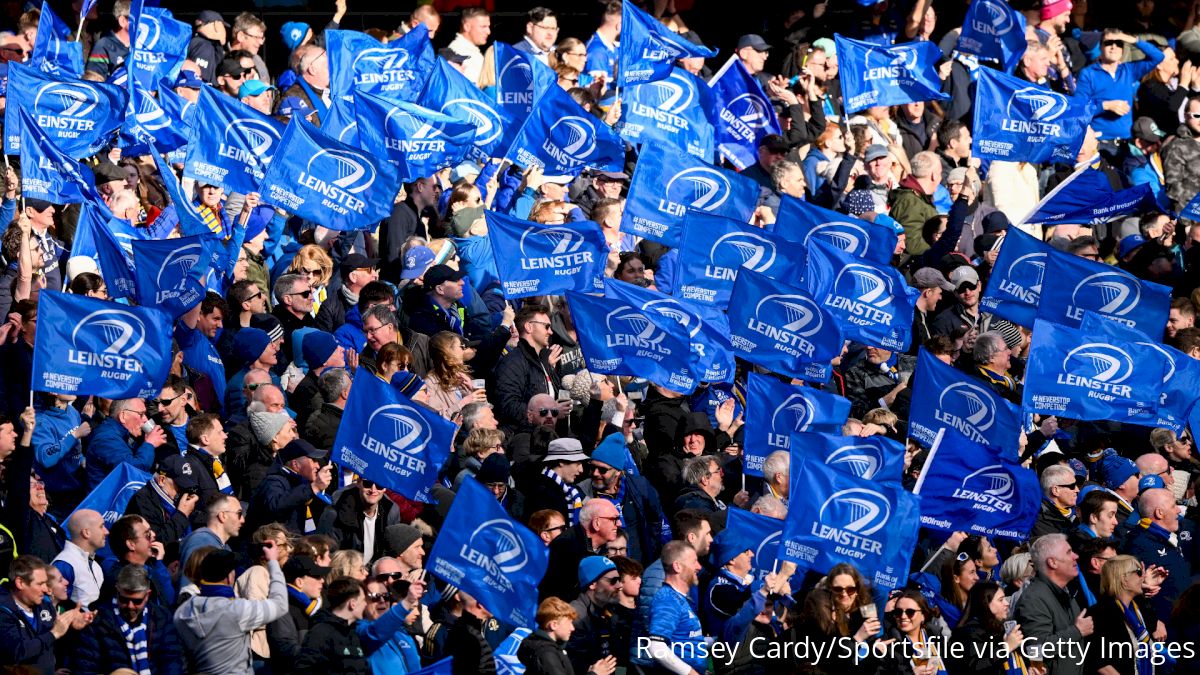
x=379, y=597
x=909, y=612
x=254, y=297
x=370, y=485
x=136, y=602
x=1068, y=486
x=553, y=412
x=161, y=402
x=843, y=590
x=303, y=294
x=612, y=581
x=1113, y=43
x=967, y=287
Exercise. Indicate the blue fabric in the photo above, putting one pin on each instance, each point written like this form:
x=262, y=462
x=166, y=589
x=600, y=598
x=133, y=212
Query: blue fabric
x=58, y=455
x=1097, y=85
x=673, y=618
x=387, y=643
x=109, y=445
x=200, y=353
x=600, y=58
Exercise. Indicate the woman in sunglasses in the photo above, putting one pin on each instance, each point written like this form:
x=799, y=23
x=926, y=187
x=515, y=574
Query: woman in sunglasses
x=314, y=264
x=995, y=641
x=909, y=623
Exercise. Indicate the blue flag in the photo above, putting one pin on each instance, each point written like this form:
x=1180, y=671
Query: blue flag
x=707, y=327
x=179, y=108
x=563, y=139
x=1014, y=287
x=536, y=259
x=342, y=122
x=505, y=654
x=673, y=111
x=1191, y=211
x=626, y=340
x=231, y=144
x=190, y=220
x=88, y=346
x=146, y=121
x=951, y=398
x=1086, y=376
x=976, y=489
x=874, y=458
x=171, y=273
x=495, y=559
x=667, y=183
x=418, y=140
x=160, y=47
x=1082, y=285
x=800, y=221
x=77, y=116
x=1037, y=125
x=1178, y=393
x=108, y=241
x=775, y=410
x=475, y=254
x=648, y=49
x=742, y=114
x=520, y=80
x=48, y=174
x=715, y=249
x=872, y=302
x=52, y=50
x=327, y=182
x=993, y=30
x=397, y=70
x=835, y=517
x=451, y=93
x=112, y=495
x=782, y=328
x=1087, y=198
x=873, y=75
x=757, y=533
x=387, y=438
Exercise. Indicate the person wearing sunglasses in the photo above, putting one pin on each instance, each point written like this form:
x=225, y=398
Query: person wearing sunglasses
x=360, y=517
x=595, y=631
x=294, y=303
x=1059, y=496
x=388, y=625
x=528, y=370
x=103, y=647
x=910, y=621
x=224, y=518
x=1112, y=81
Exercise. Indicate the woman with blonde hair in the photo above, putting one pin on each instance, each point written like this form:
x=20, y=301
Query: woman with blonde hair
x=256, y=581
x=314, y=264
x=1124, y=623
x=480, y=444
x=347, y=563
x=449, y=380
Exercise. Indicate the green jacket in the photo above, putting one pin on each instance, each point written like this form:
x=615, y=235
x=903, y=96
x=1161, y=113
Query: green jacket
x=911, y=207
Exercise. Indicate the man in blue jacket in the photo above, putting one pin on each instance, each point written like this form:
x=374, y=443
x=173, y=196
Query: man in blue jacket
x=104, y=647
x=27, y=620
x=384, y=629
x=120, y=439
x=1154, y=541
x=1112, y=83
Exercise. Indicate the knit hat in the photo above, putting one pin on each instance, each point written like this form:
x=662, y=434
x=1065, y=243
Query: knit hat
x=317, y=347
x=495, y=469
x=611, y=451
x=293, y=33
x=1009, y=331
x=995, y=221
x=266, y=425
x=1115, y=470
x=727, y=546
x=250, y=343
x=884, y=220
x=592, y=568
x=400, y=537
x=1053, y=8
x=217, y=565
x=268, y=323
x=408, y=383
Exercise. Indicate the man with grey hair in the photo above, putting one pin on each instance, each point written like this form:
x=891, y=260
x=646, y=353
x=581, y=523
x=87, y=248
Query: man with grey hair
x=598, y=523
x=1155, y=541
x=293, y=307
x=1047, y=612
x=770, y=506
x=912, y=201
x=788, y=178
x=993, y=358
x=120, y=439
x=321, y=428
x=777, y=475
x=140, y=633
x=1059, y=493
x=77, y=561
x=223, y=521
x=705, y=479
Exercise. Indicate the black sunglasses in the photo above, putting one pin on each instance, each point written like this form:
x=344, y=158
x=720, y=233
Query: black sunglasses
x=1113, y=43
x=370, y=484
x=305, y=293
x=553, y=412
x=910, y=612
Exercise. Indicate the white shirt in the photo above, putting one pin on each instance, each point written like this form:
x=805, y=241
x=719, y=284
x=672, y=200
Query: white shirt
x=537, y=52
x=473, y=66
x=369, y=538
x=88, y=573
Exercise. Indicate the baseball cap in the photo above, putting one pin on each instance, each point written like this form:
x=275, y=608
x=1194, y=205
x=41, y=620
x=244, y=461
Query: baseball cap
x=928, y=277
x=752, y=40
x=1151, y=482
x=177, y=469
x=440, y=274
x=1129, y=244
x=774, y=143
x=231, y=67
x=293, y=32
x=253, y=88
x=874, y=152
x=826, y=45
x=611, y=175
x=300, y=448
x=38, y=205
x=416, y=261
x=1146, y=129
x=208, y=16
x=452, y=56
x=303, y=566
x=964, y=274
x=356, y=261
x=465, y=170
x=189, y=79
x=293, y=106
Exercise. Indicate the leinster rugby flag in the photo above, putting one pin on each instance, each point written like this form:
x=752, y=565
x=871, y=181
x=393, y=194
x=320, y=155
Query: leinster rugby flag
x=872, y=75
x=873, y=458
x=99, y=236
x=386, y=438
x=419, y=140
x=327, y=182
x=492, y=557
x=88, y=346
x=742, y=114
x=536, y=259
x=969, y=487
x=171, y=273
x=451, y=93
x=673, y=112
x=78, y=117
x=1014, y=287
x=1025, y=122
x=1082, y=285
x=707, y=327
x=48, y=174
x=112, y=495
x=1087, y=376
x=397, y=70
x=520, y=80
x=648, y=49
x=159, y=48
x=1087, y=198
x=801, y=221
x=52, y=52
x=951, y=398
x=667, y=183
x=775, y=410
x=872, y=302
x=782, y=328
x=563, y=139
x=757, y=533
x=626, y=340
x=835, y=517
x=231, y=144
x=715, y=248
x=993, y=30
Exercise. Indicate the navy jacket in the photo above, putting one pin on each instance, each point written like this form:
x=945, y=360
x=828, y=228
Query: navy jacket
x=102, y=646
x=282, y=498
x=25, y=643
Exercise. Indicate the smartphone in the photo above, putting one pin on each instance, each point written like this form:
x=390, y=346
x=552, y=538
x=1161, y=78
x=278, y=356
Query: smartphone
x=1009, y=626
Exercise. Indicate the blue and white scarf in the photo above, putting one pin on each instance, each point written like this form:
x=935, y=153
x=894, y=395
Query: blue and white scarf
x=572, y=494
x=135, y=640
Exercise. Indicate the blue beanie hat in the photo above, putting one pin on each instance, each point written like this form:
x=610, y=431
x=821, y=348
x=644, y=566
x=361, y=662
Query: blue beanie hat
x=728, y=546
x=317, y=347
x=408, y=383
x=293, y=33
x=611, y=451
x=1115, y=470
x=592, y=568
x=250, y=343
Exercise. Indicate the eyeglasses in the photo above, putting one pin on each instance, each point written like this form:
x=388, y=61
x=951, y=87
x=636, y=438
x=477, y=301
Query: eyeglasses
x=16, y=50
x=148, y=534
x=966, y=287
x=163, y=402
x=844, y=590
x=255, y=36
x=139, y=413
x=255, y=385
x=552, y=29
x=909, y=612
x=132, y=601
x=552, y=412
x=496, y=487
x=602, y=469
x=306, y=293
x=1090, y=256
x=1113, y=43
x=375, y=329
x=616, y=550
x=718, y=472
x=555, y=528
x=615, y=519
x=1137, y=571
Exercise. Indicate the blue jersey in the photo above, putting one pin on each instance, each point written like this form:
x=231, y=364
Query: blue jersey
x=673, y=619
x=601, y=58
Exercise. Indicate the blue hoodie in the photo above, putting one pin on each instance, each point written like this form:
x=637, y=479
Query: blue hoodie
x=58, y=456
x=389, y=647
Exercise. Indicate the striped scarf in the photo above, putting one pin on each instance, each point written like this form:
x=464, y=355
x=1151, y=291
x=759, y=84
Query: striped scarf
x=1015, y=665
x=1137, y=626
x=573, y=495
x=135, y=640
x=219, y=475
x=929, y=653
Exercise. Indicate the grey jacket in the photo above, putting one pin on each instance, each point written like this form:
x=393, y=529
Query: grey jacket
x=1047, y=612
x=216, y=631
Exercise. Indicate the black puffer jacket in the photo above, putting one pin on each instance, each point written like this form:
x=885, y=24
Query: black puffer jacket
x=543, y=655
x=520, y=376
x=344, y=522
x=331, y=646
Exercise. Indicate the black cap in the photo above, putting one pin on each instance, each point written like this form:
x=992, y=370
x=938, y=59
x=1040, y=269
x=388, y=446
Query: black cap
x=230, y=68
x=300, y=448
x=38, y=205
x=107, y=172
x=208, y=16
x=179, y=470
x=452, y=56
x=303, y=566
x=774, y=143
x=754, y=41
x=356, y=261
x=217, y=565
x=440, y=274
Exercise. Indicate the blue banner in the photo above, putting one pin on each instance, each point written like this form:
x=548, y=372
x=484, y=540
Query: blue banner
x=387, y=438
x=800, y=221
x=715, y=248
x=451, y=93
x=667, y=183
x=231, y=144
x=707, y=327
x=327, y=182
x=148, y=122
x=475, y=256
x=873, y=75
x=836, y=517
x=397, y=70
x=520, y=80
x=951, y=398
x=626, y=340
x=495, y=559
x=89, y=346
x=563, y=139
x=1014, y=287
x=53, y=52
x=648, y=50
x=1037, y=125
x=536, y=259
x=108, y=241
x=873, y=303
x=1191, y=210
x=1086, y=376
x=874, y=458
x=418, y=140
x=673, y=112
x=48, y=174
x=160, y=47
x=993, y=30
x=112, y=495
x=171, y=273
x=1087, y=198
x=775, y=410
x=782, y=328
x=179, y=108
x=758, y=533
x=342, y=122
x=742, y=114
x=190, y=220
x=1082, y=285
x=78, y=117
x=969, y=487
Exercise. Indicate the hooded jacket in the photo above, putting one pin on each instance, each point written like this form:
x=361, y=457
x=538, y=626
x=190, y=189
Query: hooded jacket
x=667, y=475
x=911, y=207
x=332, y=646
x=543, y=655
